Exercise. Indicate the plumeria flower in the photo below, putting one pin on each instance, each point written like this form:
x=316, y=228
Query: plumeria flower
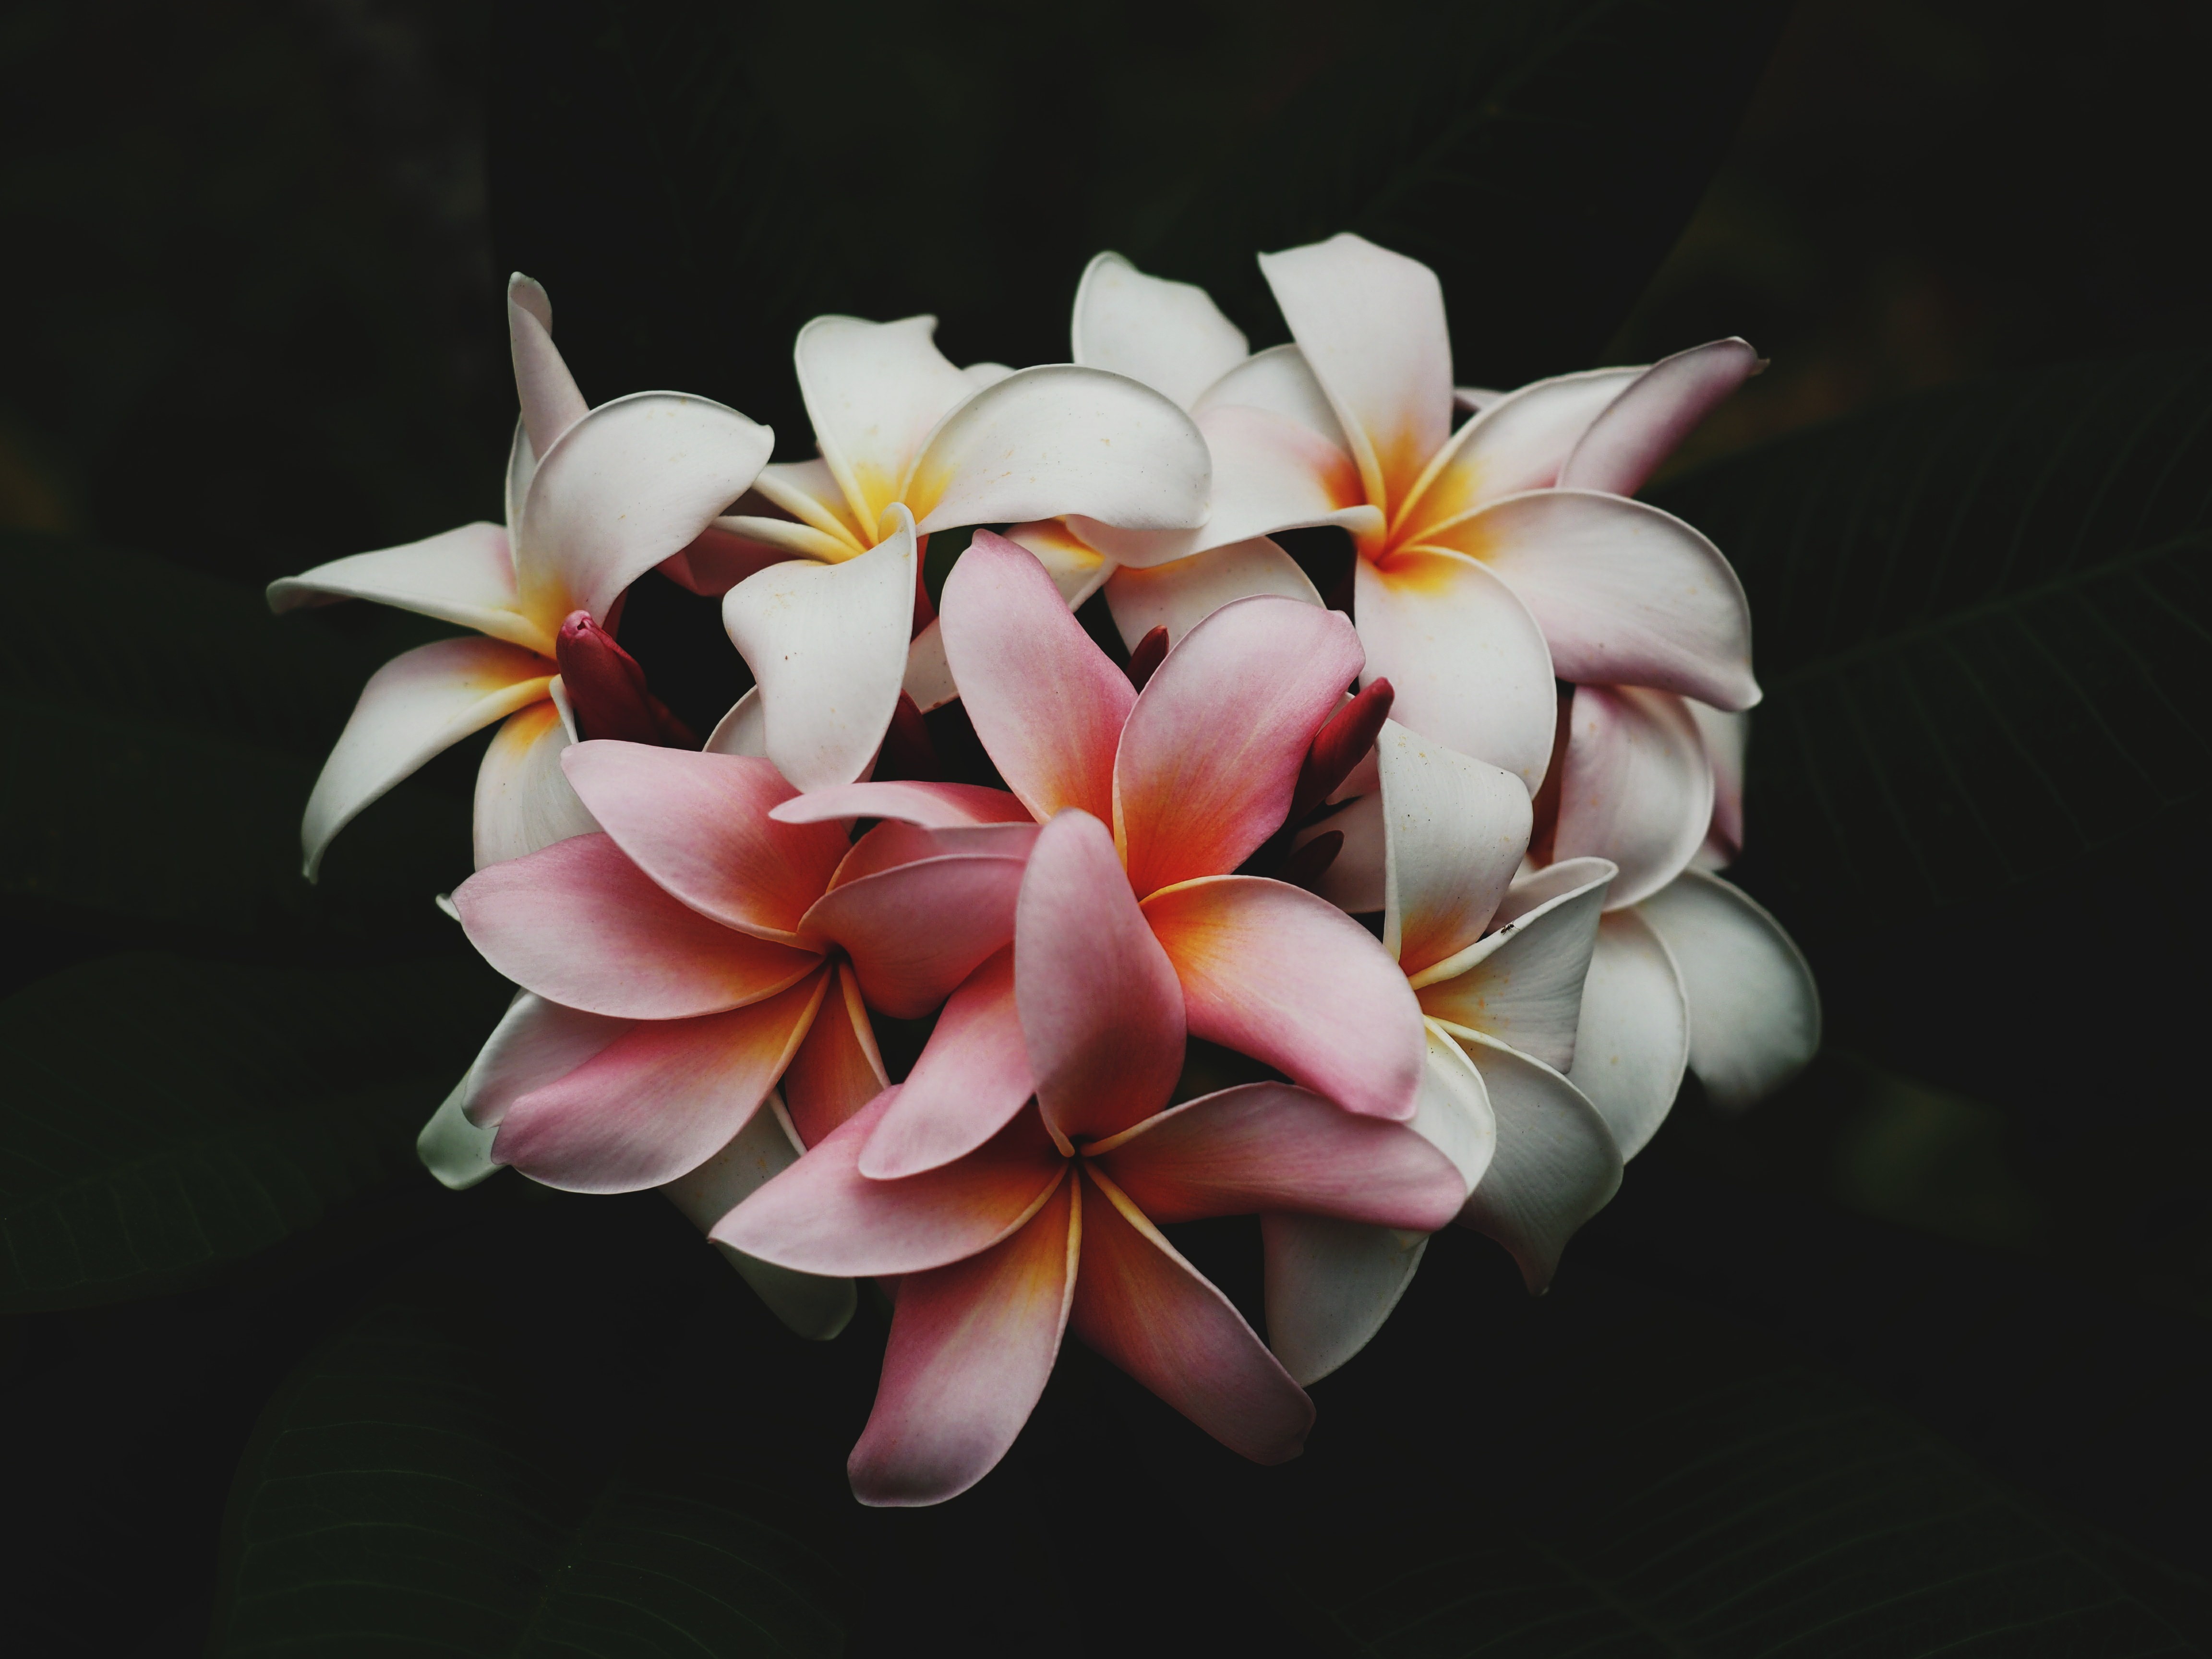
x=907, y=437
x=595, y=497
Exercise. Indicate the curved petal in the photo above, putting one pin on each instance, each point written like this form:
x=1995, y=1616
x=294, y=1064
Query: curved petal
x=1210, y=754
x=1467, y=661
x=1372, y=324
x=523, y=802
x=928, y=677
x=1102, y=1014
x=1059, y=440
x=1180, y=595
x=1519, y=443
x=1269, y=1146
x=660, y=1099
x=1755, y=1008
x=1523, y=984
x=1283, y=975
x=1726, y=735
x=1357, y=880
x=1142, y=1306
x=633, y=481
x=874, y=391
x=550, y=402
x=742, y=731
x=838, y=1069
x=971, y=1079
x=1047, y=704
x=915, y=931
x=810, y=1305
x=700, y=826
x=1536, y=887
x=1627, y=595
x=1633, y=1039
x=536, y=1043
x=1454, y=833
x=827, y=645
x=1556, y=1165
x=463, y=575
x=581, y=925
x=892, y=843
x=1077, y=569
x=1658, y=409
x=970, y=1348
x=1635, y=787
x=417, y=705
x=788, y=540
x=1170, y=336
x=823, y=1216
x=453, y=1149
x=1280, y=381
x=809, y=493
x=723, y=554
x=930, y=805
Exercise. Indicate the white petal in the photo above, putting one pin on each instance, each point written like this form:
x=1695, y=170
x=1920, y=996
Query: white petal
x=1077, y=569
x=536, y=1043
x=980, y=375
x=928, y=678
x=454, y=1149
x=1170, y=336
x=1635, y=787
x=1455, y=831
x=810, y=492
x=793, y=539
x=809, y=1304
x=874, y=391
x=1755, y=1008
x=1179, y=596
x=420, y=703
x=1635, y=1032
x=1663, y=406
x=1518, y=442
x=523, y=799
x=827, y=644
x=462, y=575
x=1357, y=880
x=742, y=731
x=1280, y=381
x=1727, y=737
x=550, y=402
x=1523, y=986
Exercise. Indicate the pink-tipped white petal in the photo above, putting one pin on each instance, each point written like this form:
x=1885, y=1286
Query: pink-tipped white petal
x=1755, y=1008
x=633, y=481
x=1455, y=830
x=1210, y=755
x=550, y=402
x=463, y=575
x=456, y=1152
x=1635, y=787
x=823, y=1216
x=1060, y=440
x=1101, y=1012
x=838, y=1071
x=1633, y=1038
x=523, y=800
x=1281, y=975
x=972, y=1078
x=1467, y=661
x=1627, y=595
x=1179, y=596
x=970, y=1348
x=417, y=705
x=1663, y=405
x=1169, y=335
x=742, y=731
x=659, y=1100
x=580, y=924
x=874, y=391
x=1357, y=880
x=928, y=805
x=1143, y=1307
x=1372, y=324
x=700, y=826
x=827, y=645
x=536, y=1043
x=1727, y=736
x=1556, y=1165
x=915, y=931
x=1046, y=702
x=1523, y=984
x=1519, y=441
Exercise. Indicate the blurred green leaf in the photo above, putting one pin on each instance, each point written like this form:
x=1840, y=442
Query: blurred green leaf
x=168, y=1115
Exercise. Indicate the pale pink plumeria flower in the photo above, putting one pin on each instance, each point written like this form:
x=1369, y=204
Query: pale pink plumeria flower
x=595, y=497
x=825, y=601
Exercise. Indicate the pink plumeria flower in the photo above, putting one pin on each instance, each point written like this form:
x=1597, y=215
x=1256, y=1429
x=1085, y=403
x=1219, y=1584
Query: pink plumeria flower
x=595, y=497
x=908, y=439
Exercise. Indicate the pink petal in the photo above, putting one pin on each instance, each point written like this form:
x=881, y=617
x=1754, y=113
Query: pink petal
x=1635, y=787
x=823, y=1216
x=1101, y=1012
x=1555, y=1167
x=971, y=1079
x=915, y=931
x=1210, y=754
x=1523, y=984
x=1142, y=1306
x=659, y=1100
x=1170, y=336
x=1754, y=1009
x=1270, y=1146
x=1468, y=662
x=523, y=801
x=1662, y=407
x=1179, y=596
x=700, y=826
x=1455, y=831
x=463, y=575
x=579, y=924
x=1371, y=323
x=1632, y=1040
x=1276, y=972
x=417, y=705
x=1047, y=704
x=535, y=1042
x=1627, y=595
x=892, y=843
x=1518, y=442
x=971, y=1347
x=838, y=1070
x=550, y=402
x=931, y=806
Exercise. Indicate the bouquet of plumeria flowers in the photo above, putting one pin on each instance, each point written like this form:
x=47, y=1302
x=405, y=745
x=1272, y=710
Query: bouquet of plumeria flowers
x=1366, y=912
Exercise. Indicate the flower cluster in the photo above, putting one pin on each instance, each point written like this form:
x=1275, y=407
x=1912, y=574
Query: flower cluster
x=1422, y=874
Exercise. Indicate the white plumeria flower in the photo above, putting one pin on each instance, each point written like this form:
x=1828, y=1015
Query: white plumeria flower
x=910, y=445
x=595, y=497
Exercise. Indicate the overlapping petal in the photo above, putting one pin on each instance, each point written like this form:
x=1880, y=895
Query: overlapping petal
x=931, y=806
x=1523, y=984
x=535, y=1042
x=1179, y=596
x=463, y=575
x=547, y=391
x=1663, y=405
x=1635, y=787
x=1755, y=1008
x=1633, y=1040
x=873, y=391
x=1169, y=335
x=1455, y=830
x=1520, y=441
x=838, y=1070
x=915, y=931
x=1556, y=1165
x=971, y=1079
x=523, y=800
